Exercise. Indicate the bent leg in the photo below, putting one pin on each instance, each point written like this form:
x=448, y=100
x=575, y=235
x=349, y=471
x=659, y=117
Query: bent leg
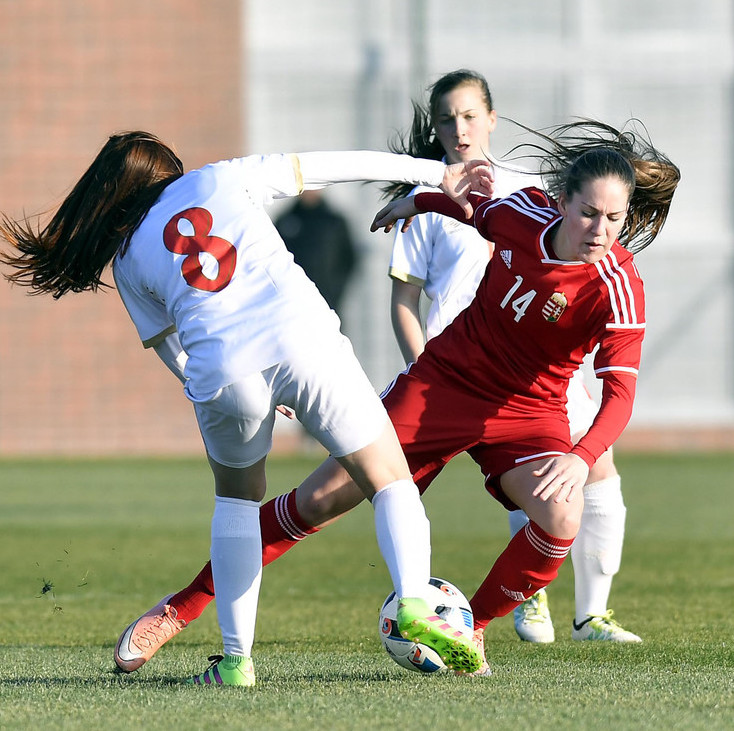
x=534, y=555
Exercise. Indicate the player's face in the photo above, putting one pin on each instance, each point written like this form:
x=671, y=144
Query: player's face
x=592, y=220
x=463, y=124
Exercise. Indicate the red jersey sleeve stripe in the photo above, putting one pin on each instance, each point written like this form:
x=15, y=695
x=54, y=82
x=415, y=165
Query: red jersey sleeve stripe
x=621, y=296
x=520, y=202
x=616, y=369
x=620, y=326
x=523, y=198
x=624, y=277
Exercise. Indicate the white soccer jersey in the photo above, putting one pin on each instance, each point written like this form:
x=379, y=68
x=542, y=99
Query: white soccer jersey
x=207, y=262
x=447, y=258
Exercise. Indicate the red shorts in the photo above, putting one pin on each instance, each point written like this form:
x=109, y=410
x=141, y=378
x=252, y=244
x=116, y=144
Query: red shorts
x=435, y=421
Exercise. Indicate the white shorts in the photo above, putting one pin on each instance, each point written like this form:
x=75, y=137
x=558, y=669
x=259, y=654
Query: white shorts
x=582, y=409
x=326, y=388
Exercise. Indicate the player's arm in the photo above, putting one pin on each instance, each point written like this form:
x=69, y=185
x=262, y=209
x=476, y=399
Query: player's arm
x=562, y=476
x=617, y=362
x=407, y=208
x=318, y=169
x=168, y=348
x=406, y=319
x=618, y=395
x=152, y=323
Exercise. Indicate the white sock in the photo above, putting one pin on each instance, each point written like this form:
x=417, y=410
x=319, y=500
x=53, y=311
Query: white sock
x=597, y=551
x=404, y=537
x=518, y=520
x=236, y=553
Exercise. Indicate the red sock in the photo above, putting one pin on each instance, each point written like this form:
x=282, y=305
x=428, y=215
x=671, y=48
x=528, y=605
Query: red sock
x=190, y=602
x=281, y=526
x=530, y=562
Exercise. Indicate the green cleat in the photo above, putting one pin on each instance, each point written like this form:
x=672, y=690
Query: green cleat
x=604, y=628
x=226, y=670
x=419, y=623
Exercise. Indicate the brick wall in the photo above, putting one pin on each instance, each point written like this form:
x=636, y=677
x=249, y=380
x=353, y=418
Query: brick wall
x=74, y=379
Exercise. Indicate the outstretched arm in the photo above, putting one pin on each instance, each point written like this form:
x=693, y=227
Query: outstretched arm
x=463, y=178
x=318, y=169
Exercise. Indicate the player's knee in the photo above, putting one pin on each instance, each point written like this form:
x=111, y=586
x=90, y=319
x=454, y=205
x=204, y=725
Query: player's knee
x=563, y=522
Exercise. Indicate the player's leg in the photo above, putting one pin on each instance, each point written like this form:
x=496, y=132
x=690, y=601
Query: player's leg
x=597, y=551
x=236, y=569
x=532, y=558
x=532, y=618
x=534, y=555
x=236, y=427
x=351, y=422
x=597, y=554
x=320, y=499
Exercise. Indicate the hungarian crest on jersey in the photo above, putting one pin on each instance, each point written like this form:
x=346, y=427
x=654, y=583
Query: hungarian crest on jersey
x=555, y=306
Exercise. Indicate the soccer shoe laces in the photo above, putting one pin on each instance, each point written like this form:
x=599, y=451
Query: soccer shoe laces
x=606, y=619
x=535, y=609
x=160, y=629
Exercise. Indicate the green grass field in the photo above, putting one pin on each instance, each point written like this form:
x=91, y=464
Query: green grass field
x=106, y=539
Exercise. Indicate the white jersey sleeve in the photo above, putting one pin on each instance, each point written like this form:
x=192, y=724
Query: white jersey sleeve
x=411, y=253
x=148, y=315
x=270, y=177
x=446, y=258
x=318, y=169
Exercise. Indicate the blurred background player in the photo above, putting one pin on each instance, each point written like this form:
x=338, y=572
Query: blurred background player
x=446, y=260
x=321, y=242
x=210, y=286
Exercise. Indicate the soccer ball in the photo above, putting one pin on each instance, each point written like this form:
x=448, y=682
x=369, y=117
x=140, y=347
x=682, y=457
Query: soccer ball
x=450, y=604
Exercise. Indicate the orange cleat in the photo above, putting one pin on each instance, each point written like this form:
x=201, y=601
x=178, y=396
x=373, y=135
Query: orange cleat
x=146, y=635
x=484, y=670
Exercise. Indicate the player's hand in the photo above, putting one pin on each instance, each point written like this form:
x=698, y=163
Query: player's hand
x=561, y=477
x=463, y=177
x=387, y=217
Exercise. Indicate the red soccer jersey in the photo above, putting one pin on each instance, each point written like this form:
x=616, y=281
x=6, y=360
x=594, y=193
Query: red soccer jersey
x=535, y=317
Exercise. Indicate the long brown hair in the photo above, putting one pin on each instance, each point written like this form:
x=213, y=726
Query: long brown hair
x=573, y=153
x=95, y=221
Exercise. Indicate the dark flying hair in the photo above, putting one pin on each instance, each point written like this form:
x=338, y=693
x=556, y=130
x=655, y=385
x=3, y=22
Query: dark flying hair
x=95, y=221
